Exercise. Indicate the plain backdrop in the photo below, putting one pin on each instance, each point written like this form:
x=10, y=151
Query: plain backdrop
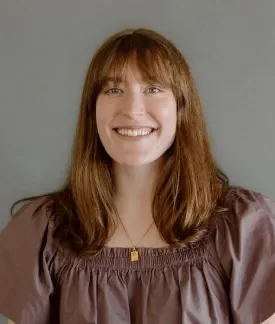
x=46, y=47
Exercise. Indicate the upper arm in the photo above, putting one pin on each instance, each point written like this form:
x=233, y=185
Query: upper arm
x=26, y=266
x=247, y=253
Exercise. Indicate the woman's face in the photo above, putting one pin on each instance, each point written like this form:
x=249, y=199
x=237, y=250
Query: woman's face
x=136, y=121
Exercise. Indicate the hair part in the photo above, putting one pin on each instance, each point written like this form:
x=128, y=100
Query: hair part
x=189, y=186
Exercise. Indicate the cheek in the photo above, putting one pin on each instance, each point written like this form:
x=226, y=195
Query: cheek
x=165, y=111
x=104, y=113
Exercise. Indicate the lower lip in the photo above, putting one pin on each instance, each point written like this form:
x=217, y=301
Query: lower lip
x=135, y=138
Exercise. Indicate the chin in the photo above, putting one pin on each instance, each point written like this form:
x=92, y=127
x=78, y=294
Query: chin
x=134, y=162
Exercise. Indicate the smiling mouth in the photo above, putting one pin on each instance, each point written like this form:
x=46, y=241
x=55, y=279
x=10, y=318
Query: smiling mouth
x=135, y=132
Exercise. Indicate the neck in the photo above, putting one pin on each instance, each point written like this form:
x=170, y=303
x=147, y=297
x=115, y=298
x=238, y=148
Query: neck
x=133, y=201
x=134, y=182
x=133, y=189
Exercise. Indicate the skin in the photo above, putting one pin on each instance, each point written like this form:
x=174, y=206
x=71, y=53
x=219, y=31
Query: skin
x=271, y=320
x=135, y=102
x=135, y=163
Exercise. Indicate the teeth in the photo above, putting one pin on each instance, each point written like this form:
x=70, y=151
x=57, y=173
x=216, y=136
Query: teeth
x=134, y=132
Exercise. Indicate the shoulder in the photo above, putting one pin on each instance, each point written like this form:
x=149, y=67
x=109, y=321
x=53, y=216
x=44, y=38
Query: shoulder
x=34, y=213
x=242, y=200
x=243, y=248
x=29, y=228
x=34, y=207
x=246, y=229
x=248, y=213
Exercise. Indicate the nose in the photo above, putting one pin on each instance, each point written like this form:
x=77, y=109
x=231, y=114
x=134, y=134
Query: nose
x=133, y=105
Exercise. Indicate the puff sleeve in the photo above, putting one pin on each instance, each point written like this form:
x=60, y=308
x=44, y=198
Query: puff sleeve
x=26, y=254
x=246, y=250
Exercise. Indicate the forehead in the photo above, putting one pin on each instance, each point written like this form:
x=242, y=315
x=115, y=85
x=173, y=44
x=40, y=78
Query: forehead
x=132, y=73
x=128, y=75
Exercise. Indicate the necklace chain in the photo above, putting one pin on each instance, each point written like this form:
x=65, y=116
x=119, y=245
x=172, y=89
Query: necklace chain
x=134, y=253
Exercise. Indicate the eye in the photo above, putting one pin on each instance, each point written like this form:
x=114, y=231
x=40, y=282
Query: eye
x=154, y=90
x=113, y=91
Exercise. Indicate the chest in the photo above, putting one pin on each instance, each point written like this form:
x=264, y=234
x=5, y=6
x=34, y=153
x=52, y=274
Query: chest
x=187, y=293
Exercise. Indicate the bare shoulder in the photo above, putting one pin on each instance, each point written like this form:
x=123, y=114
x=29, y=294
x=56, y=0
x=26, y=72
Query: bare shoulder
x=271, y=320
x=10, y=322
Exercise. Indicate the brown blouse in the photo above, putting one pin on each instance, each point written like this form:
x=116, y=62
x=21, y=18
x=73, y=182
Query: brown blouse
x=228, y=277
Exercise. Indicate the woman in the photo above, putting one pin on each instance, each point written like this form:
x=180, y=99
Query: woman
x=146, y=228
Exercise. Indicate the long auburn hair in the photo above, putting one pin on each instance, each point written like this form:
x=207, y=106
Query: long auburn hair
x=189, y=186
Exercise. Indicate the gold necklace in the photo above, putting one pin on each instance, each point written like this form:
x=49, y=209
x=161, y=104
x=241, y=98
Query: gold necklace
x=134, y=253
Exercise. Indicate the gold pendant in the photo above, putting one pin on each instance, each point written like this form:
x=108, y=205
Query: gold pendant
x=134, y=255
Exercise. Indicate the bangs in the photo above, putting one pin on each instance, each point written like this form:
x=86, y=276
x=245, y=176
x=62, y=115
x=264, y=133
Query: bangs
x=148, y=56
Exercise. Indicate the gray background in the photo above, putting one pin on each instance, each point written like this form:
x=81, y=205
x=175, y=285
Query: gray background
x=46, y=47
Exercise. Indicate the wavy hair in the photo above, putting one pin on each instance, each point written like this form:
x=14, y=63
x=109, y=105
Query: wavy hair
x=189, y=186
